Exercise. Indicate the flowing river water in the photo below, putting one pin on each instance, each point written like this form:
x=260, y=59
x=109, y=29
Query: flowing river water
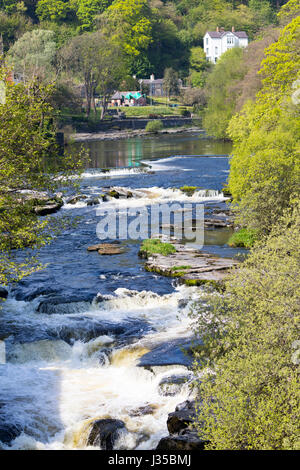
x=92, y=336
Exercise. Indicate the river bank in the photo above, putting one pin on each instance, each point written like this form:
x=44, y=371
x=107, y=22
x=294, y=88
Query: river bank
x=127, y=134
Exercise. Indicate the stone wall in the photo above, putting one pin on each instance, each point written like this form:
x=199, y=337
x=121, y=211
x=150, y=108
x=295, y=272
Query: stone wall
x=123, y=124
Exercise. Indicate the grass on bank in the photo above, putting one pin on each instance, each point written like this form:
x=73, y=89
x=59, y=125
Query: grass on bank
x=156, y=246
x=243, y=238
x=148, y=111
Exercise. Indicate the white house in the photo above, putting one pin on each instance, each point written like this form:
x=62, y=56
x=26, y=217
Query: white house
x=217, y=42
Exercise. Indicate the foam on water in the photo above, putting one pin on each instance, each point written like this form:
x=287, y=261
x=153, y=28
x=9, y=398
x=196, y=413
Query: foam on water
x=53, y=391
x=144, y=197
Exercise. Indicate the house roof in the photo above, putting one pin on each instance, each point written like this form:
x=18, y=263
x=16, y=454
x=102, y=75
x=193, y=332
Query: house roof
x=157, y=81
x=119, y=95
x=220, y=34
x=133, y=94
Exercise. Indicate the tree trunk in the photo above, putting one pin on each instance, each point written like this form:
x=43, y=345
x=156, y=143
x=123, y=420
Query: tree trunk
x=88, y=94
x=94, y=105
x=104, y=107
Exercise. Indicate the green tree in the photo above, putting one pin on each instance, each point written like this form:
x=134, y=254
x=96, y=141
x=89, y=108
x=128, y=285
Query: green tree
x=12, y=27
x=222, y=93
x=265, y=168
x=129, y=24
x=56, y=10
x=171, y=82
x=97, y=62
x=249, y=361
x=33, y=54
x=29, y=164
x=87, y=10
x=198, y=67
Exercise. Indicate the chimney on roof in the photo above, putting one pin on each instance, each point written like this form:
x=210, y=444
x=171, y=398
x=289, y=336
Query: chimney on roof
x=222, y=30
x=233, y=29
x=218, y=29
x=152, y=78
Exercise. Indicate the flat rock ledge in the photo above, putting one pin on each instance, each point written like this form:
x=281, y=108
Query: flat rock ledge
x=107, y=249
x=192, y=267
x=182, y=434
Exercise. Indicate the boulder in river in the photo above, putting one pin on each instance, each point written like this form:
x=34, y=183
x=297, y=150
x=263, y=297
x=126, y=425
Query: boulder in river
x=119, y=193
x=173, y=352
x=171, y=385
x=98, y=246
x=94, y=201
x=187, y=441
x=110, y=249
x=49, y=208
x=75, y=199
x=3, y=293
x=182, y=417
x=143, y=410
x=105, y=432
x=41, y=203
x=182, y=435
x=8, y=432
x=65, y=304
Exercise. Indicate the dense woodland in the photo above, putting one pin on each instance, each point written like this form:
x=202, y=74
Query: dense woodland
x=153, y=34
x=103, y=44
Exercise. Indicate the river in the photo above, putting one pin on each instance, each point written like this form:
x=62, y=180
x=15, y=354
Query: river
x=75, y=332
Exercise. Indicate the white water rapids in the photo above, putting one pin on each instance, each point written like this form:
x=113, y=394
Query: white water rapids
x=54, y=391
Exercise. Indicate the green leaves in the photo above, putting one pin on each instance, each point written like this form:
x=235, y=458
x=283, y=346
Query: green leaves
x=265, y=166
x=250, y=393
x=228, y=71
x=30, y=161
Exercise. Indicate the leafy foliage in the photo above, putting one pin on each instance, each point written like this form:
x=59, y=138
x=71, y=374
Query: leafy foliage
x=265, y=168
x=154, y=126
x=30, y=161
x=171, y=85
x=96, y=61
x=33, y=54
x=222, y=93
x=249, y=386
x=243, y=238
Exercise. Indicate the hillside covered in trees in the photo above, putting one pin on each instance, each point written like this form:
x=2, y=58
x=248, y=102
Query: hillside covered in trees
x=153, y=34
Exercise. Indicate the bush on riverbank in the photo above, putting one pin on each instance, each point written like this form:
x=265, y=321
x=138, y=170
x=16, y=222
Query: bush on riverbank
x=243, y=238
x=250, y=355
x=154, y=126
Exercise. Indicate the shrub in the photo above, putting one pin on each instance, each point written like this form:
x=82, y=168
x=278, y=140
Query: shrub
x=185, y=113
x=154, y=126
x=243, y=238
x=249, y=358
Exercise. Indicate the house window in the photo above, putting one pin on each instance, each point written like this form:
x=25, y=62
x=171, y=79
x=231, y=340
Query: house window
x=216, y=51
x=207, y=41
x=230, y=40
x=207, y=51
